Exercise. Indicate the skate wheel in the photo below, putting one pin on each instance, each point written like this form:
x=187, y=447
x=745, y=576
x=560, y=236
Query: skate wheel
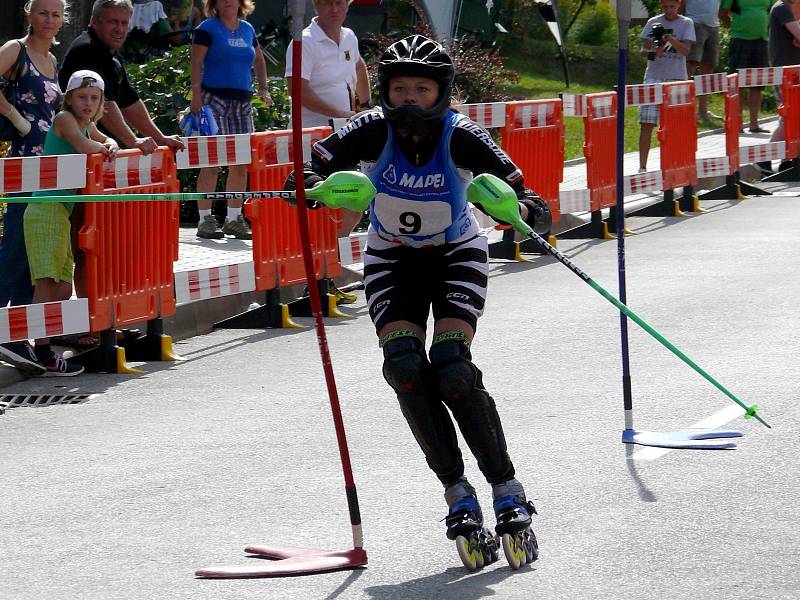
x=470, y=553
x=531, y=547
x=514, y=551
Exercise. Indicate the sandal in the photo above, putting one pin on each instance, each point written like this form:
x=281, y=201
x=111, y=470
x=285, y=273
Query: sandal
x=758, y=130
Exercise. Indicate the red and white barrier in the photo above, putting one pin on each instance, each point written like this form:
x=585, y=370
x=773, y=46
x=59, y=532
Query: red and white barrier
x=574, y=201
x=214, y=151
x=711, y=83
x=642, y=183
x=137, y=169
x=35, y=173
x=351, y=249
x=645, y=93
x=34, y=321
x=535, y=115
x=488, y=115
x=713, y=167
x=574, y=105
x=213, y=282
x=280, y=145
x=762, y=152
x=760, y=77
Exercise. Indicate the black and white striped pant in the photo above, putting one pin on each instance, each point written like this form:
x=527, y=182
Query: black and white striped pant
x=403, y=283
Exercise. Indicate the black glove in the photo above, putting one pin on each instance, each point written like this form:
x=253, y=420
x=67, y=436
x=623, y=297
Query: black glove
x=539, y=217
x=310, y=179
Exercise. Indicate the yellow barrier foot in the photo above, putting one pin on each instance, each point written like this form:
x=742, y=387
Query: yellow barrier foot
x=122, y=364
x=607, y=235
x=739, y=194
x=286, y=319
x=518, y=253
x=696, y=205
x=166, y=349
x=677, y=209
x=333, y=309
x=553, y=241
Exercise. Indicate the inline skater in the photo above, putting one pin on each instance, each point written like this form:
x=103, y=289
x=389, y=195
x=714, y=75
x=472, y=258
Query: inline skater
x=424, y=251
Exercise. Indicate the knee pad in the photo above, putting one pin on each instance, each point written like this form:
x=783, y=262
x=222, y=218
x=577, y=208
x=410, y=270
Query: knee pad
x=405, y=365
x=460, y=385
x=456, y=376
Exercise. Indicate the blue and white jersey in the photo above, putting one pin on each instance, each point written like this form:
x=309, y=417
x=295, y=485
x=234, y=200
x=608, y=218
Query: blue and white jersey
x=421, y=205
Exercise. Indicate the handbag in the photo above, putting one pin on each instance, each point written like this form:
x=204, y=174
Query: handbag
x=8, y=132
x=202, y=124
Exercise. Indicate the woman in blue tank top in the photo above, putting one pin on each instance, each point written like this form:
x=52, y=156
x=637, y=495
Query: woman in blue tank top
x=38, y=100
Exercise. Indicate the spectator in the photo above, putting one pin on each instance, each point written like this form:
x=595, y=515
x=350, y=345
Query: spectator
x=224, y=51
x=748, y=21
x=704, y=54
x=38, y=98
x=335, y=82
x=95, y=49
x=666, y=40
x=784, y=45
x=47, y=226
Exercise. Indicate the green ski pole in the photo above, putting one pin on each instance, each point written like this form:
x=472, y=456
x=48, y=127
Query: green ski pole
x=500, y=201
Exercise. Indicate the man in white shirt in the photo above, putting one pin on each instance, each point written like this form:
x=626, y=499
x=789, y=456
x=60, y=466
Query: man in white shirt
x=335, y=83
x=333, y=73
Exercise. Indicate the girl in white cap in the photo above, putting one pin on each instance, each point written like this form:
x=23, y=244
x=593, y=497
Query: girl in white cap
x=47, y=226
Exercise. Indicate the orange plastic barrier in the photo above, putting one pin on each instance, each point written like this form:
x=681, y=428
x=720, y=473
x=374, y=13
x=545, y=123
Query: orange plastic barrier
x=600, y=149
x=130, y=246
x=534, y=139
x=277, y=251
x=790, y=110
x=677, y=135
x=733, y=122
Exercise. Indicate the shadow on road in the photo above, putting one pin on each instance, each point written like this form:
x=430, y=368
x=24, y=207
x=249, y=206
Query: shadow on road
x=455, y=582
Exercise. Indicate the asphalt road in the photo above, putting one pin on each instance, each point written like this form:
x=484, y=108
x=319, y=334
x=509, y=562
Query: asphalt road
x=125, y=495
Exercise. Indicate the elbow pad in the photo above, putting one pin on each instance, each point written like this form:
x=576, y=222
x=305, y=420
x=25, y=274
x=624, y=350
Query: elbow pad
x=539, y=217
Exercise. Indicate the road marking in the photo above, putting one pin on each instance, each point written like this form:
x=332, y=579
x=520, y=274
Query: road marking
x=726, y=415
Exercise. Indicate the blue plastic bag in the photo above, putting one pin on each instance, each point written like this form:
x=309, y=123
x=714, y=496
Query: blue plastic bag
x=202, y=124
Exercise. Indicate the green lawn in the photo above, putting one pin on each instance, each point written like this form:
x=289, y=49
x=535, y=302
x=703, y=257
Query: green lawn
x=541, y=76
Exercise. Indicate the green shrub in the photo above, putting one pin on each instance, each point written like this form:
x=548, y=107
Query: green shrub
x=480, y=74
x=597, y=27
x=165, y=86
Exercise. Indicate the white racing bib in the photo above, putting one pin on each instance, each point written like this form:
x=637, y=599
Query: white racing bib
x=401, y=216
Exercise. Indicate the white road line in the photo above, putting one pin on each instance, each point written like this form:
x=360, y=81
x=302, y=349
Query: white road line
x=726, y=415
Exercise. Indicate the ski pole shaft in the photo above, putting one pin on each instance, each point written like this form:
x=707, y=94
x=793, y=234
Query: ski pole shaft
x=175, y=197
x=750, y=411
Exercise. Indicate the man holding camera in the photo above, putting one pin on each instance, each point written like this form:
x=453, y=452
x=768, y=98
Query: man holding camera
x=666, y=40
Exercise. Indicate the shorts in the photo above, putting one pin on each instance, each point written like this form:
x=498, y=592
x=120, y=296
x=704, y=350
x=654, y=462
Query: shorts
x=648, y=113
x=232, y=116
x=404, y=283
x=47, y=241
x=747, y=54
x=705, y=49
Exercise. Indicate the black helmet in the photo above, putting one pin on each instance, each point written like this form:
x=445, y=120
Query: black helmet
x=416, y=56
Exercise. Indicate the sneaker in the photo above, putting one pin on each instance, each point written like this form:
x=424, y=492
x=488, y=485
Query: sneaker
x=21, y=356
x=208, y=228
x=341, y=296
x=56, y=366
x=642, y=170
x=238, y=228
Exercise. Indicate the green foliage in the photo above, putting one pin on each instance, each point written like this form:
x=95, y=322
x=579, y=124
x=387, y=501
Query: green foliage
x=596, y=27
x=480, y=74
x=165, y=86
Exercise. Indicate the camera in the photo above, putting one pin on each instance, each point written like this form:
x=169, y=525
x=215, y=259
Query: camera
x=657, y=34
